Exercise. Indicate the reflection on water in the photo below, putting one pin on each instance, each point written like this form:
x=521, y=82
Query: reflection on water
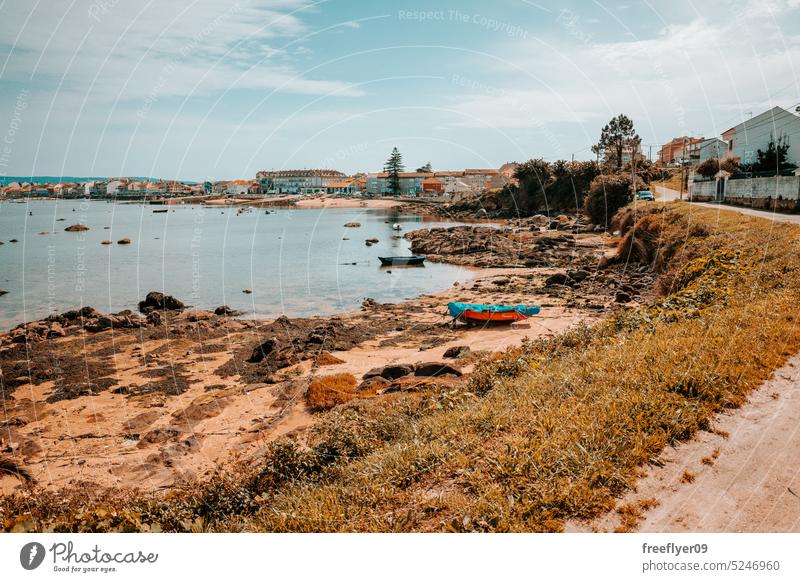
x=296, y=261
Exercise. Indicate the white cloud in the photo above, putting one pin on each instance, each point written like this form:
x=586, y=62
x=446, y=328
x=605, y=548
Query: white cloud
x=129, y=49
x=687, y=77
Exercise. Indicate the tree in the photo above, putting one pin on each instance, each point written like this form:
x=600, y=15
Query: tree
x=617, y=136
x=775, y=158
x=708, y=168
x=393, y=167
x=607, y=194
x=546, y=187
x=729, y=165
x=426, y=169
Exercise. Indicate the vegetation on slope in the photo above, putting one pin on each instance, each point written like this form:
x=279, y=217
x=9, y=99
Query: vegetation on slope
x=553, y=430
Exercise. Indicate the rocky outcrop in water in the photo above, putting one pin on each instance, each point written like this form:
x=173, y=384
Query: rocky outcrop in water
x=485, y=246
x=156, y=300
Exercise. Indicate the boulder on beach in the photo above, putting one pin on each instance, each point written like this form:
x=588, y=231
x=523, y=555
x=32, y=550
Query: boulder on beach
x=557, y=279
x=622, y=297
x=124, y=241
x=435, y=369
x=456, y=351
x=156, y=300
x=390, y=372
x=352, y=224
x=262, y=350
x=76, y=228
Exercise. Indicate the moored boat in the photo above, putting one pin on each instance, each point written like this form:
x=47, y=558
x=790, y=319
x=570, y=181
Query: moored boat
x=481, y=313
x=392, y=261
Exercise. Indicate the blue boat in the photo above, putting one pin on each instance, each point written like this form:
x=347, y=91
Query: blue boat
x=482, y=313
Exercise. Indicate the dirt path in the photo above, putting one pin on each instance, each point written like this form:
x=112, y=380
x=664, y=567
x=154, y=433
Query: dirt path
x=747, y=482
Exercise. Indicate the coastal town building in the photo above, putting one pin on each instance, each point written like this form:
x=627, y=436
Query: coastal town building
x=744, y=140
x=297, y=181
x=671, y=152
x=452, y=183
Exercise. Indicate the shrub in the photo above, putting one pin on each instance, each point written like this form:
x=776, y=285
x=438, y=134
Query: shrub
x=709, y=168
x=326, y=392
x=607, y=194
x=729, y=165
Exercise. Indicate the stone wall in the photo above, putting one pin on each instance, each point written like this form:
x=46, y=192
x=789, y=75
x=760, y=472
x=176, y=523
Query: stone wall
x=704, y=191
x=779, y=192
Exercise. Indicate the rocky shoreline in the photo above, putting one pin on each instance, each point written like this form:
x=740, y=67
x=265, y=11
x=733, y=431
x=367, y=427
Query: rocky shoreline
x=170, y=392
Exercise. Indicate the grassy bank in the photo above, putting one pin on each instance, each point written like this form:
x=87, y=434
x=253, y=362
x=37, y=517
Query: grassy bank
x=553, y=430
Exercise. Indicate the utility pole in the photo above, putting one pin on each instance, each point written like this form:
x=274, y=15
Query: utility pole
x=683, y=165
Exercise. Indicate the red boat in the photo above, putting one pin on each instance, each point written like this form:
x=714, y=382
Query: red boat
x=480, y=313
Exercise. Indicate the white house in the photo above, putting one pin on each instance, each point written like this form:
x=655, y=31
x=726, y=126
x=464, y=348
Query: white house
x=744, y=140
x=707, y=149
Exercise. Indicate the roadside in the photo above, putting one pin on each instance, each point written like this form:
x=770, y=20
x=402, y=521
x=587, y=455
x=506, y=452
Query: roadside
x=742, y=477
x=664, y=194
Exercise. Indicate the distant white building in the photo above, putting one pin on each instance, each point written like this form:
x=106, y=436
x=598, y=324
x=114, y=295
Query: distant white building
x=711, y=148
x=298, y=181
x=744, y=140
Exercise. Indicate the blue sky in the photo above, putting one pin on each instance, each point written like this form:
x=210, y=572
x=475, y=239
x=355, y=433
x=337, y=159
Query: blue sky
x=217, y=90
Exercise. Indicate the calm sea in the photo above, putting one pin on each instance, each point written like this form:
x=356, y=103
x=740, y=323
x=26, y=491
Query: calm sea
x=296, y=262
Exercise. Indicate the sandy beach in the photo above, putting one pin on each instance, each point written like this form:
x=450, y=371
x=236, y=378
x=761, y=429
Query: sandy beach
x=174, y=396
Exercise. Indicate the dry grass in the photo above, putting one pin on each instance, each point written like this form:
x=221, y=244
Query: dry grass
x=327, y=359
x=687, y=477
x=554, y=430
x=325, y=392
x=674, y=181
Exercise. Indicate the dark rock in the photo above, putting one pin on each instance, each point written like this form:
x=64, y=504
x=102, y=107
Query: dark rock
x=101, y=323
x=622, y=297
x=456, y=351
x=76, y=228
x=263, y=350
x=557, y=279
x=435, y=369
x=227, y=311
x=55, y=330
x=390, y=372
x=578, y=275
x=156, y=300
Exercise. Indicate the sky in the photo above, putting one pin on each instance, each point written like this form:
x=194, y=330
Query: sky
x=212, y=90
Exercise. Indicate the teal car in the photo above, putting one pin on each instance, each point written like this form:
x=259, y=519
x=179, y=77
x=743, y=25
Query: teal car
x=645, y=195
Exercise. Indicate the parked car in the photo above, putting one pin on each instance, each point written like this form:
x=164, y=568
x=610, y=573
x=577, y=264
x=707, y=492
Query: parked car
x=645, y=195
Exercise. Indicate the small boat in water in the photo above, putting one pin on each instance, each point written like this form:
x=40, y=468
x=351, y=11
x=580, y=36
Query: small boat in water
x=164, y=210
x=394, y=261
x=481, y=313
x=396, y=226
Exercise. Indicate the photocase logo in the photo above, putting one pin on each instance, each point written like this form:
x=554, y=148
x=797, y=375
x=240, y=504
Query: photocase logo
x=31, y=555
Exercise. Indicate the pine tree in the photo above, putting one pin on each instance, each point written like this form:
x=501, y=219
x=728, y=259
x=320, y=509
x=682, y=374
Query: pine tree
x=393, y=167
x=426, y=169
x=617, y=136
